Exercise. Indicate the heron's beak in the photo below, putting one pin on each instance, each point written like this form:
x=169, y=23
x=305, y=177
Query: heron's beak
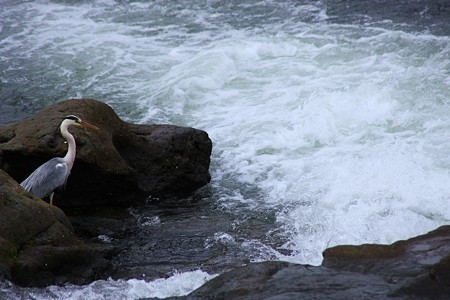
x=87, y=125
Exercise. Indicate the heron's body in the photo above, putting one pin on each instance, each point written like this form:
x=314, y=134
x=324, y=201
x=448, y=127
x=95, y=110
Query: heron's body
x=47, y=178
x=54, y=173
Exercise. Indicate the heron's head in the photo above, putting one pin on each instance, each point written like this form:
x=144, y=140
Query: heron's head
x=74, y=120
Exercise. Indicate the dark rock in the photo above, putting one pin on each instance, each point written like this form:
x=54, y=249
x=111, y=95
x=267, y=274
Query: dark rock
x=420, y=263
x=281, y=280
x=115, y=165
x=242, y=282
x=441, y=271
x=37, y=243
x=417, y=268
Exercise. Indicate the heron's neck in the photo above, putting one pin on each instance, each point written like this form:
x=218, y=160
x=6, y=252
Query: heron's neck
x=72, y=148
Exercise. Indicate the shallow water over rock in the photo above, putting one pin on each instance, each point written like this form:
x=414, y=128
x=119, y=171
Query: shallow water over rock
x=151, y=241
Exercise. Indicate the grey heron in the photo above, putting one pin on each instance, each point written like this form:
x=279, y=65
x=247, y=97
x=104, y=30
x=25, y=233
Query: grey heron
x=54, y=173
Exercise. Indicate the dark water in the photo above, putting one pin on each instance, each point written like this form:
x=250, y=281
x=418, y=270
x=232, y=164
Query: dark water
x=414, y=16
x=158, y=238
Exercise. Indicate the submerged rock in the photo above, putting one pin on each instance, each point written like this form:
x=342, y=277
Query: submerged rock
x=37, y=243
x=114, y=165
x=413, y=269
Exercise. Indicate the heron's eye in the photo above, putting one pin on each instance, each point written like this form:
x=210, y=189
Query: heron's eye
x=73, y=118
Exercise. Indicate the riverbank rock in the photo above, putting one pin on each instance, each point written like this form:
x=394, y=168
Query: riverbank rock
x=37, y=243
x=417, y=268
x=117, y=164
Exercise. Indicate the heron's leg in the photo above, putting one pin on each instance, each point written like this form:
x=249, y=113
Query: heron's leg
x=51, y=198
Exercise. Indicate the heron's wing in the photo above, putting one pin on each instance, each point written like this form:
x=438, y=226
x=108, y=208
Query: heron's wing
x=48, y=177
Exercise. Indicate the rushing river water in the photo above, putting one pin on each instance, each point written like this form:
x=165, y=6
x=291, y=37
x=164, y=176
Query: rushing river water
x=331, y=117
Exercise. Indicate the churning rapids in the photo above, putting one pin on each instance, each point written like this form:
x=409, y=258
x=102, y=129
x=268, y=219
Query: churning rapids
x=330, y=120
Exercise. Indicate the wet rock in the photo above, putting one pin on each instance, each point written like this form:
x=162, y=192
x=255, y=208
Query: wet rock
x=441, y=271
x=37, y=243
x=281, y=280
x=419, y=265
x=413, y=269
x=250, y=281
x=116, y=165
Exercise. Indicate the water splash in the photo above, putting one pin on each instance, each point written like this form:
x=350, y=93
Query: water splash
x=179, y=284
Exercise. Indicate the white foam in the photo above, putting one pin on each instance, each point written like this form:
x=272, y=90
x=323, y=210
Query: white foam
x=179, y=284
x=337, y=133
